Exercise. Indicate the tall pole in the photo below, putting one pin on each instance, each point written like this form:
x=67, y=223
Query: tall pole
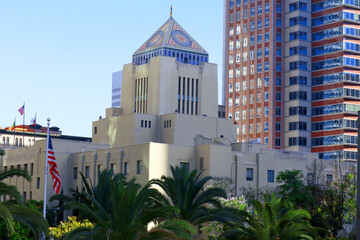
x=46, y=167
x=14, y=125
x=358, y=183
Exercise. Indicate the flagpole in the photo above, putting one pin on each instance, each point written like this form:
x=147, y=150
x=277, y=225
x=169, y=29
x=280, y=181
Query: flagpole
x=24, y=126
x=46, y=167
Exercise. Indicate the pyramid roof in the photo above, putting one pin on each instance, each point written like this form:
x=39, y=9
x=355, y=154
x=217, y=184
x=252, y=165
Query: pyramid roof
x=172, y=36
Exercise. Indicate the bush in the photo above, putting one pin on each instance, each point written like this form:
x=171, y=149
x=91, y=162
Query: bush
x=67, y=226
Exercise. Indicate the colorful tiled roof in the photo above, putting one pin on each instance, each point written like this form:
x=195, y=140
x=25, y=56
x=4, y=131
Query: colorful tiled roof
x=171, y=35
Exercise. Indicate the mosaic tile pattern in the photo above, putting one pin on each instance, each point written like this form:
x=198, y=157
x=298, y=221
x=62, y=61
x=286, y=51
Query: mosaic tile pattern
x=171, y=35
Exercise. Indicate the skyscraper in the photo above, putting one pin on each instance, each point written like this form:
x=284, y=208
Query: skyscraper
x=292, y=73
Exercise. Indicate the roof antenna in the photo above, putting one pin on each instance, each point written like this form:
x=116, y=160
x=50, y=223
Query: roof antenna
x=171, y=11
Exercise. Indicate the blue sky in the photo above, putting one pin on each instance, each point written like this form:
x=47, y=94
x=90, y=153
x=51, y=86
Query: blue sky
x=58, y=56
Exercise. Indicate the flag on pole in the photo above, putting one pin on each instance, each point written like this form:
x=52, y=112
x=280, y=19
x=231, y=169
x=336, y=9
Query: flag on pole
x=13, y=126
x=33, y=120
x=53, y=168
x=21, y=110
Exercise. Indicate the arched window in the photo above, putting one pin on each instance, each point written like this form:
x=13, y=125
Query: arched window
x=3, y=141
x=20, y=142
x=16, y=142
x=7, y=141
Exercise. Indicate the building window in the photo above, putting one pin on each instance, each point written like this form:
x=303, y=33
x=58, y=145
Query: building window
x=87, y=172
x=266, y=126
x=126, y=168
x=249, y=174
x=75, y=173
x=95, y=130
x=139, y=167
x=185, y=165
x=271, y=176
x=38, y=183
x=329, y=178
x=278, y=126
x=266, y=141
x=98, y=170
x=202, y=162
x=277, y=142
x=278, y=96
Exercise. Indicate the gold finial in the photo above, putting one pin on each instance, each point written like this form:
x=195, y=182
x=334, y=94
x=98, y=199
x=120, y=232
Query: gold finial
x=171, y=11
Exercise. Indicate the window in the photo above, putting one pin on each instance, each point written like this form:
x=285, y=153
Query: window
x=278, y=111
x=329, y=178
x=278, y=7
x=267, y=51
x=298, y=21
x=298, y=95
x=259, y=24
x=252, y=54
x=266, y=141
x=278, y=22
x=238, y=29
x=259, y=9
x=298, y=6
x=278, y=52
x=32, y=169
x=38, y=183
x=302, y=65
x=252, y=40
x=271, y=176
x=278, y=66
x=95, y=130
x=249, y=174
x=87, y=172
x=139, y=167
x=301, y=80
x=266, y=65
x=267, y=7
x=278, y=81
x=185, y=165
x=297, y=126
x=301, y=141
x=259, y=38
x=245, y=15
x=238, y=44
x=266, y=111
x=252, y=26
x=231, y=45
x=278, y=96
x=278, y=37
x=266, y=96
x=252, y=12
x=126, y=168
x=75, y=173
x=267, y=37
x=231, y=31
x=237, y=87
x=298, y=50
x=259, y=53
x=259, y=67
x=266, y=81
x=267, y=22
x=266, y=126
x=298, y=35
x=278, y=126
x=298, y=111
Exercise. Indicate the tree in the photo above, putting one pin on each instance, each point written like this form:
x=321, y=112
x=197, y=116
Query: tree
x=186, y=191
x=16, y=209
x=294, y=189
x=276, y=219
x=124, y=212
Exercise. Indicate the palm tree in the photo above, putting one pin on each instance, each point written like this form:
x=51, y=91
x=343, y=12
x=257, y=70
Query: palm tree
x=16, y=210
x=186, y=191
x=276, y=219
x=124, y=212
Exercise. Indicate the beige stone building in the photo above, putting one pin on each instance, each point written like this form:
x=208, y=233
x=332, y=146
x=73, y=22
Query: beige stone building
x=169, y=116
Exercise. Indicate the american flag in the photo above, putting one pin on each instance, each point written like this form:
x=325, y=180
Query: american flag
x=21, y=110
x=53, y=168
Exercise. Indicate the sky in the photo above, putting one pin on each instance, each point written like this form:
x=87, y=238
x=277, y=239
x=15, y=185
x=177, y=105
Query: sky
x=58, y=57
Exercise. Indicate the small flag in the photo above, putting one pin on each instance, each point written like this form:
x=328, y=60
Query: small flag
x=33, y=121
x=13, y=126
x=21, y=110
x=53, y=168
